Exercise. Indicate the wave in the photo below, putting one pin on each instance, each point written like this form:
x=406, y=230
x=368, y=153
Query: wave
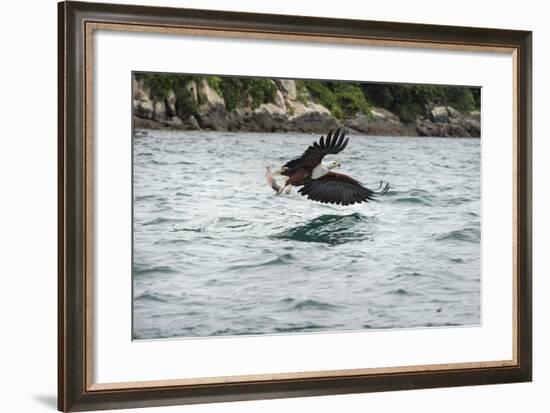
x=140, y=133
x=458, y=200
x=283, y=259
x=165, y=163
x=314, y=305
x=230, y=222
x=329, y=229
x=413, y=196
x=160, y=220
x=148, y=296
x=165, y=269
x=219, y=224
x=466, y=234
x=231, y=332
x=406, y=274
x=301, y=328
x=411, y=200
x=144, y=197
x=399, y=291
x=172, y=241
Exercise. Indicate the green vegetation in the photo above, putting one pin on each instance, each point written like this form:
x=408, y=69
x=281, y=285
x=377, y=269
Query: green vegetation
x=343, y=99
x=409, y=101
x=237, y=91
x=261, y=91
x=215, y=83
x=160, y=84
x=302, y=93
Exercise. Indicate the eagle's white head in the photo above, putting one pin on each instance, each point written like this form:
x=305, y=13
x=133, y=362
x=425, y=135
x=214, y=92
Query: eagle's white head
x=323, y=168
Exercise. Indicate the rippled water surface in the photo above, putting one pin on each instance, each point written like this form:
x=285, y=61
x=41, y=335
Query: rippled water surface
x=216, y=252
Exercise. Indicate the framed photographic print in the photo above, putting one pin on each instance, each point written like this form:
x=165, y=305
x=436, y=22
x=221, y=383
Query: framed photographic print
x=263, y=206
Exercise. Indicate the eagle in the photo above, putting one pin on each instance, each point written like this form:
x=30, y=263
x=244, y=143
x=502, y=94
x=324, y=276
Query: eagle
x=316, y=179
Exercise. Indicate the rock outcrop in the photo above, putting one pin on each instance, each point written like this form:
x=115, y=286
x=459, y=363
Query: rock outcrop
x=310, y=117
x=287, y=87
x=266, y=118
x=381, y=123
x=211, y=113
x=159, y=111
x=446, y=121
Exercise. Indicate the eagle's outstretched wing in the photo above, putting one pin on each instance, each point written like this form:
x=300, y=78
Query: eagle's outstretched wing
x=333, y=144
x=340, y=189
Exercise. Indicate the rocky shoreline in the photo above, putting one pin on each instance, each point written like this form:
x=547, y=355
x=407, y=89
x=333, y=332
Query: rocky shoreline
x=289, y=112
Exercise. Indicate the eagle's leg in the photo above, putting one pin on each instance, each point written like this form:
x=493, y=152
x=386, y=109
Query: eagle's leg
x=288, y=188
x=284, y=187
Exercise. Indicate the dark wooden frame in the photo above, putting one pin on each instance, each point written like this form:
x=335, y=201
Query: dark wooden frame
x=75, y=393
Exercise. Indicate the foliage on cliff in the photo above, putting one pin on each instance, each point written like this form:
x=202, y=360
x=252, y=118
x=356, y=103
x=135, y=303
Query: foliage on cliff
x=161, y=83
x=241, y=91
x=409, y=101
x=343, y=99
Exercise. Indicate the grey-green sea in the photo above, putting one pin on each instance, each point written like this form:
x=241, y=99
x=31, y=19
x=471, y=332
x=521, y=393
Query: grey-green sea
x=216, y=252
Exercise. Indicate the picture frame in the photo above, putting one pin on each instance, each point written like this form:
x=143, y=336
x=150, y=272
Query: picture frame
x=77, y=390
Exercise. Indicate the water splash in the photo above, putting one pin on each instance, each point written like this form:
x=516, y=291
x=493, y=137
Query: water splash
x=330, y=229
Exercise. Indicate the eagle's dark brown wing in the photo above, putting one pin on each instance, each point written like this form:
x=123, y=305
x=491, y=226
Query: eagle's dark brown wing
x=333, y=144
x=339, y=189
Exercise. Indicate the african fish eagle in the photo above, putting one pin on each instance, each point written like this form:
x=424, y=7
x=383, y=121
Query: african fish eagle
x=316, y=179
